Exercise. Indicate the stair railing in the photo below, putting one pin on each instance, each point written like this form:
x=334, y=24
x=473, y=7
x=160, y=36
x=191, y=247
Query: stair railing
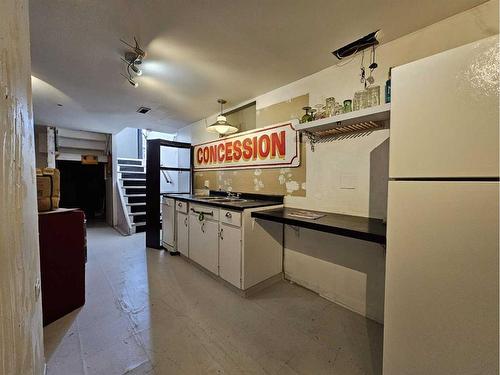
x=123, y=225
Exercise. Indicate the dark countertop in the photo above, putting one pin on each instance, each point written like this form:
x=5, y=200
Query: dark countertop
x=363, y=228
x=248, y=200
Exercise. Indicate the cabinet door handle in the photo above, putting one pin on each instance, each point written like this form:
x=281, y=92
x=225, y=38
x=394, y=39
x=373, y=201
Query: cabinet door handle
x=228, y=215
x=186, y=221
x=202, y=212
x=179, y=204
x=220, y=233
x=203, y=227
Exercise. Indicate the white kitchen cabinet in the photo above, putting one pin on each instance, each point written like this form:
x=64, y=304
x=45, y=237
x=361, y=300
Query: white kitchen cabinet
x=204, y=237
x=168, y=222
x=231, y=244
x=230, y=254
x=183, y=233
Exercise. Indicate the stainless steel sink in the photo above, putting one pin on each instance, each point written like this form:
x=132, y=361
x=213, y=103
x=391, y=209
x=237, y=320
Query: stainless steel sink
x=223, y=199
x=232, y=200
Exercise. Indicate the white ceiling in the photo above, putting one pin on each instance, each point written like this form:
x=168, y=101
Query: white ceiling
x=198, y=51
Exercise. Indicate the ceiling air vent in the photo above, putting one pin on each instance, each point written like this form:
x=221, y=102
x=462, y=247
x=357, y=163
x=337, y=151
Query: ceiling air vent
x=143, y=110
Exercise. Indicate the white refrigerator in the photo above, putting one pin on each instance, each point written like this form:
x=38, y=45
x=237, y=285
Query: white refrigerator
x=442, y=281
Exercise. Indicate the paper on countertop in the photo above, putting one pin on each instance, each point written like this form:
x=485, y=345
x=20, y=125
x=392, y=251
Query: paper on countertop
x=306, y=214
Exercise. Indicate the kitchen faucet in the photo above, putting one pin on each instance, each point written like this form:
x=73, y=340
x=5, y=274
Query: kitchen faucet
x=235, y=195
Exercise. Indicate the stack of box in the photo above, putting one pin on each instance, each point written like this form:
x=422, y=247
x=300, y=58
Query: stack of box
x=48, y=189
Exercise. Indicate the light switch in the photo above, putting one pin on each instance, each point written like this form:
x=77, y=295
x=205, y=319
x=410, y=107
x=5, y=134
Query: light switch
x=348, y=181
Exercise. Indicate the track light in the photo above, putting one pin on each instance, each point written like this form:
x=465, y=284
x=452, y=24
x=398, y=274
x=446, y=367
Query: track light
x=130, y=80
x=140, y=53
x=132, y=59
x=136, y=70
x=131, y=65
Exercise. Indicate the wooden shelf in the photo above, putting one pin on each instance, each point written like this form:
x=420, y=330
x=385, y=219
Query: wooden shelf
x=361, y=121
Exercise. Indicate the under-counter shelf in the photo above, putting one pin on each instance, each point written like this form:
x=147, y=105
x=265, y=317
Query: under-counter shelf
x=356, y=122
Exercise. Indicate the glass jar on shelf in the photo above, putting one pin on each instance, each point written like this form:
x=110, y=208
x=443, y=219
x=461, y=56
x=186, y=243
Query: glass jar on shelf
x=338, y=109
x=330, y=106
x=373, y=96
x=357, y=102
x=320, y=111
x=347, y=105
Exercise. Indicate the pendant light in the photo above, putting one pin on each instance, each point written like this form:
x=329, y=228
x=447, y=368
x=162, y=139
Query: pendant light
x=221, y=126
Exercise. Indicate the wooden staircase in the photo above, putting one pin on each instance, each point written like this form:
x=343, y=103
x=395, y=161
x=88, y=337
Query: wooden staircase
x=132, y=184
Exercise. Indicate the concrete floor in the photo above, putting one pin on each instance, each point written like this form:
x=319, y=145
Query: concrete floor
x=151, y=313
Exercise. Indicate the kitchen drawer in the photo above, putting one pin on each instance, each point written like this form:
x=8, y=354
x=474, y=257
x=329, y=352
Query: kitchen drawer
x=181, y=206
x=230, y=217
x=211, y=213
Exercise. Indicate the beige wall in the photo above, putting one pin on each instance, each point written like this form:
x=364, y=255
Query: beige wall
x=355, y=282
x=365, y=159
x=21, y=344
x=41, y=146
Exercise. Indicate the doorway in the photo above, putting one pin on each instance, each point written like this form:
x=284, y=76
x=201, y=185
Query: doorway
x=83, y=186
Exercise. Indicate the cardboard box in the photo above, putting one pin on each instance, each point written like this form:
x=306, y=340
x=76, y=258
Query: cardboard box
x=48, y=204
x=48, y=189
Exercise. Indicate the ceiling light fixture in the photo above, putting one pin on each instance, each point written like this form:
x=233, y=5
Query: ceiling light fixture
x=221, y=126
x=132, y=59
x=130, y=80
x=136, y=70
x=139, y=52
x=131, y=66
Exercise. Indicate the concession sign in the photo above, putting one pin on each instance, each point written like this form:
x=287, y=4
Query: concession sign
x=275, y=146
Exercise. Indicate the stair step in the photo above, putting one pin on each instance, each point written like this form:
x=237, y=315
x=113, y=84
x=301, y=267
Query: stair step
x=132, y=179
x=130, y=161
x=134, y=192
x=133, y=187
x=139, y=224
x=137, y=213
x=129, y=175
x=131, y=168
x=132, y=172
x=137, y=204
x=134, y=195
x=140, y=229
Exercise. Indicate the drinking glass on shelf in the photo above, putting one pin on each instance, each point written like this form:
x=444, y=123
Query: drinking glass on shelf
x=330, y=106
x=357, y=100
x=338, y=109
x=347, y=105
x=373, y=96
x=365, y=99
x=320, y=108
